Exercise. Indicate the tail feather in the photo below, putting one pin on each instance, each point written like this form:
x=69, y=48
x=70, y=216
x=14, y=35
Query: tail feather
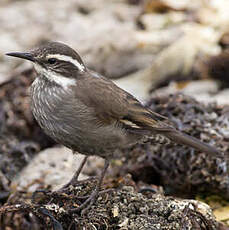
x=185, y=139
x=140, y=118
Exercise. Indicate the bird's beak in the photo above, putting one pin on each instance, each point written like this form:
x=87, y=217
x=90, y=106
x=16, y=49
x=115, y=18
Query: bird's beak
x=27, y=56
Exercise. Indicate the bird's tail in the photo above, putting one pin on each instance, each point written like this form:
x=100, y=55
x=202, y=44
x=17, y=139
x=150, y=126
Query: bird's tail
x=185, y=139
x=145, y=119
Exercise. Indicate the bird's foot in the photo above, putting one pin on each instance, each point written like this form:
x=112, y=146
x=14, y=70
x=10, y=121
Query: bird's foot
x=90, y=200
x=74, y=183
x=86, y=205
x=63, y=192
x=72, y=193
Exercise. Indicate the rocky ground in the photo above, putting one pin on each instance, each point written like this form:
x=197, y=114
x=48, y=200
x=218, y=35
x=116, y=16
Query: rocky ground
x=155, y=49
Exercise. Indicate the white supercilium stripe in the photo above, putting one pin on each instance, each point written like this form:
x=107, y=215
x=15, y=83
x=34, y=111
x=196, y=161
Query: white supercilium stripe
x=55, y=77
x=68, y=59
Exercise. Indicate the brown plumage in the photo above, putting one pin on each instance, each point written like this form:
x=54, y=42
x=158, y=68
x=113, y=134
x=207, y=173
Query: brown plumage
x=111, y=104
x=89, y=113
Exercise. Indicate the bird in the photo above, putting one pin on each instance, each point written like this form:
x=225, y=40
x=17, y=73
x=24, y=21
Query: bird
x=88, y=113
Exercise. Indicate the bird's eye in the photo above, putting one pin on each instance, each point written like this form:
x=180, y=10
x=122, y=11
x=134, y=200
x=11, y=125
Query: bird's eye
x=52, y=60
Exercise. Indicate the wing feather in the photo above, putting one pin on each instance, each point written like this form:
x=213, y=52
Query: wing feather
x=112, y=105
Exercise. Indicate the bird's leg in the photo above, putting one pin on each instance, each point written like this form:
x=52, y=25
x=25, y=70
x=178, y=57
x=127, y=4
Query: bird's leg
x=77, y=173
x=74, y=179
x=94, y=195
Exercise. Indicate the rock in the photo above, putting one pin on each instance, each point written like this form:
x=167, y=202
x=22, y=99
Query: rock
x=54, y=166
x=121, y=209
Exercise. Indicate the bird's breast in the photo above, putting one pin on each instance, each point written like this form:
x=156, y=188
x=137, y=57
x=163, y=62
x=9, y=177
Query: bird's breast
x=70, y=122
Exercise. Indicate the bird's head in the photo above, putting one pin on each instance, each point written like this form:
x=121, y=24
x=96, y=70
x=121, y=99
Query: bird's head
x=55, y=61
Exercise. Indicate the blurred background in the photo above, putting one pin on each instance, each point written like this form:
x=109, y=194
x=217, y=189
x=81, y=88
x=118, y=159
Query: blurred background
x=152, y=49
x=152, y=43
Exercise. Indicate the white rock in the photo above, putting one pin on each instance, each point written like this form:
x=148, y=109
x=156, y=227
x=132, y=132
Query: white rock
x=55, y=166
